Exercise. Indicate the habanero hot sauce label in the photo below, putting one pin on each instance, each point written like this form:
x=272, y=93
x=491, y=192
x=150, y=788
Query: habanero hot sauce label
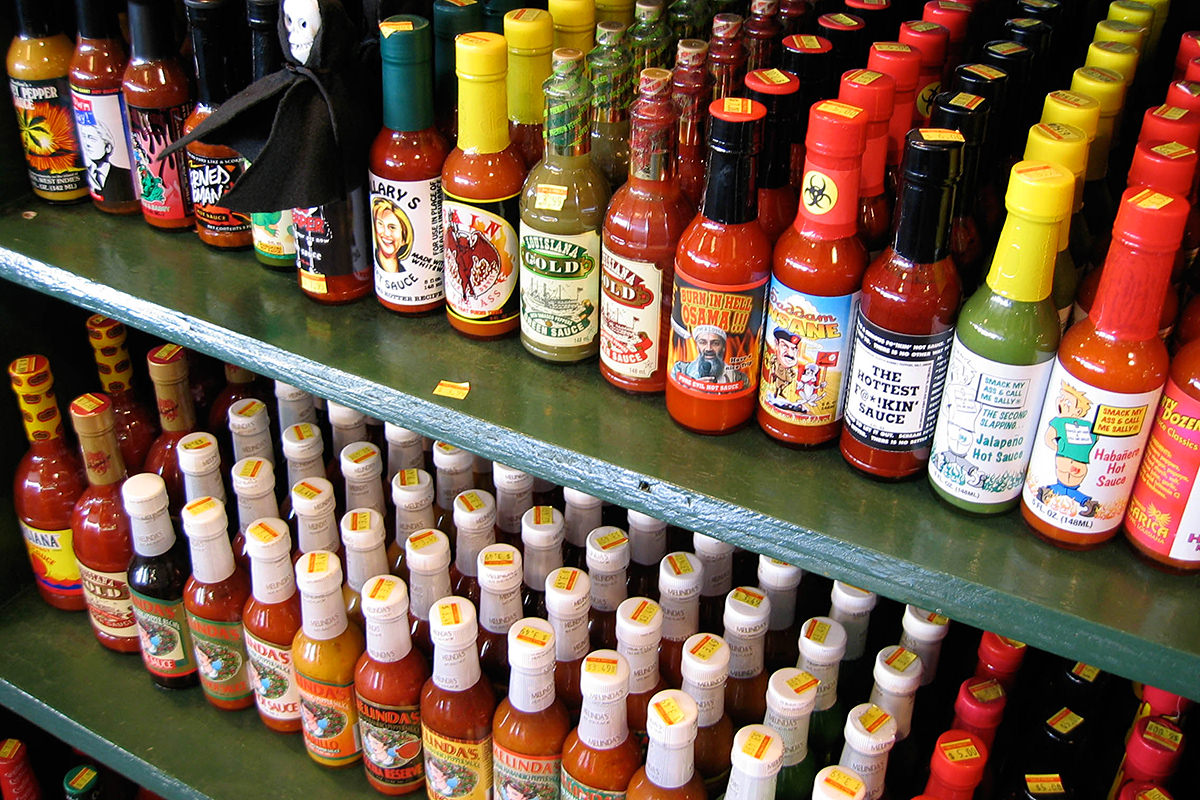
x=406, y=231
x=329, y=720
x=163, y=186
x=391, y=744
x=482, y=253
x=167, y=647
x=1089, y=444
x=716, y=333
x=220, y=658
x=457, y=769
x=630, y=314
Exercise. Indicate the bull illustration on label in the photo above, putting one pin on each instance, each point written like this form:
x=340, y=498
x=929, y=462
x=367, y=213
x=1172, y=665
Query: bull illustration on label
x=473, y=260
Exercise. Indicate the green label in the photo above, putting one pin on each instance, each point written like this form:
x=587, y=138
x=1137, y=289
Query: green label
x=575, y=790
x=560, y=287
x=220, y=658
x=391, y=743
x=166, y=640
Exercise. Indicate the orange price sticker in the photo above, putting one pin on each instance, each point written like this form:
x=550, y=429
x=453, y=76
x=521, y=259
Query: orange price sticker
x=966, y=100
x=600, y=666
x=498, y=558
x=82, y=778
x=251, y=468
x=817, y=631
x=645, y=612
x=543, y=515
x=363, y=454
x=381, y=588
x=1007, y=48
x=986, y=691
x=388, y=27
x=250, y=409
x=87, y=403
x=1172, y=150
x=455, y=391
x=873, y=718
x=1072, y=98
x=550, y=197
x=201, y=505
x=706, y=647
x=263, y=532
x=748, y=596
x=844, y=782
x=312, y=282
x=844, y=19
x=1065, y=721
x=773, y=75
x=941, y=135
x=809, y=42
x=756, y=745
x=1085, y=671
x=449, y=613
x=420, y=540
x=986, y=71
x=316, y=563
x=470, y=501
x=669, y=711
x=360, y=521
x=802, y=682
x=1050, y=783
x=199, y=443
x=612, y=539
x=306, y=490
x=892, y=47
x=960, y=750
x=937, y=619
x=408, y=477
x=1169, y=112
x=901, y=659
x=303, y=431
x=534, y=636
x=168, y=352
x=680, y=564
x=1163, y=736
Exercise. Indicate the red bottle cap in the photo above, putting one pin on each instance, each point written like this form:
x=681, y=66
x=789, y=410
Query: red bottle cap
x=1151, y=219
x=958, y=760
x=872, y=91
x=930, y=39
x=1002, y=654
x=1169, y=166
x=873, y=6
x=1185, y=94
x=1192, y=71
x=1170, y=124
x=1189, y=48
x=1154, y=748
x=841, y=22
x=736, y=110
x=950, y=14
x=901, y=61
x=1144, y=790
x=836, y=129
x=772, y=81
x=980, y=703
x=1163, y=703
x=806, y=43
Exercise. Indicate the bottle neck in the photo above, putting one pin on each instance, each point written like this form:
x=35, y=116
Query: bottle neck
x=566, y=131
x=570, y=636
x=362, y=565
x=499, y=610
x=729, y=190
x=743, y=787
x=783, y=608
x=793, y=731
x=252, y=508
x=34, y=20
x=603, y=722
x=681, y=617
x=412, y=520
x=670, y=767
x=265, y=53
x=203, y=484
x=1132, y=287
x=1097, y=162
x=923, y=212
x=272, y=581
x=968, y=183
x=652, y=140
x=647, y=547
x=344, y=435
x=212, y=558
x=152, y=535
x=928, y=652
x=718, y=574
x=539, y=562
x=212, y=56
x=302, y=469
x=527, y=69
x=900, y=706
x=176, y=412
x=579, y=522
x=450, y=485
x=388, y=640
x=855, y=623
x=102, y=458
x=1023, y=264
x=404, y=455
x=745, y=655
x=407, y=95
x=253, y=445
x=366, y=493
x=774, y=165
x=530, y=691
x=150, y=37
x=643, y=666
x=317, y=532
x=425, y=589
x=470, y=542
x=116, y=370
x=608, y=589
x=455, y=670
x=511, y=505
x=42, y=419
x=482, y=115
x=324, y=615
x=827, y=674
x=710, y=700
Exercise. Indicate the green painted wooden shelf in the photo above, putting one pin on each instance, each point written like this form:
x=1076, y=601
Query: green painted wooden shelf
x=563, y=422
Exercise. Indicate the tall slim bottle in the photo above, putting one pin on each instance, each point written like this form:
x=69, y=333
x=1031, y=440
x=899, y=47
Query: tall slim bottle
x=705, y=671
x=168, y=368
x=530, y=36
x=610, y=69
x=778, y=91
x=450, y=18
x=568, y=600
x=273, y=233
x=822, y=645
x=969, y=114
x=691, y=87
x=650, y=42
x=271, y=619
x=875, y=93
x=136, y=427
x=791, y=695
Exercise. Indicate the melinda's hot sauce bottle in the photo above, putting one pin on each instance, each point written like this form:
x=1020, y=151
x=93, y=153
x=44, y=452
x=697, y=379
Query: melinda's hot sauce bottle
x=47, y=482
x=817, y=272
x=405, y=174
x=670, y=770
x=607, y=565
x=1106, y=382
x=499, y=572
x=822, y=645
x=791, y=694
x=135, y=426
x=481, y=182
x=721, y=270
x=271, y=618
x=639, y=630
x=757, y=756
x=530, y=36
x=531, y=724
x=568, y=600
x=387, y=688
x=427, y=554
x=780, y=582
x=562, y=209
x=747, y=612
x=680, y=576
x=705, y=670
x=100, y=528
x=902, y=333
x=1003, y=350
x=457, y=708
x=599, y=756
x=214, y=597
x=641, y=230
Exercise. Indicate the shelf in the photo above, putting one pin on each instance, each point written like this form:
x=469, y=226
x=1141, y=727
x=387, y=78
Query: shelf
x=566, y=424
x=174, y=743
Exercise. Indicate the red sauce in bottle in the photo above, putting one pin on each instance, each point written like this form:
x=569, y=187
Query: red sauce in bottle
x=763, y=32
x=600, y=756
x=271, y=618
x=874, y=92
x=568, y=593
x=136, y=426
x=777, y=91
x=427, y=553
x=692, y=86
x=726, y=56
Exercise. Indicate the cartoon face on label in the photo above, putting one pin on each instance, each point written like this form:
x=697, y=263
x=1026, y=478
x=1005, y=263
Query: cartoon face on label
x=473, y=260
x=319, y=720
x=388, y=749
x=393, y=234
x=302, y=19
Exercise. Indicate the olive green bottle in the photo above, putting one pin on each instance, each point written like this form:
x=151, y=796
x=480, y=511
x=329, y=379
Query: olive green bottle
x=611, y=68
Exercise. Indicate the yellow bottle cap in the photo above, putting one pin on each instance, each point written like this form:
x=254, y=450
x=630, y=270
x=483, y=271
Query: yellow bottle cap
x=1073, y=108
x=1116, y=30
x=1038, y=200
x=1161, y=7
x=1060, y=144
x=1101, y=83
x=480, y=54
x=1116, y=56
x=1134, y=11
x=1041, y=191
x=573, y=16
x=529, y=31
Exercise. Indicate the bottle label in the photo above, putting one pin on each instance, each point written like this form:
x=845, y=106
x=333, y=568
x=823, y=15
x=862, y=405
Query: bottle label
x=211, y=179
x=220, y=657
x=716, y=333
x=274, y=234
x=986, y=427
x=329, y=719
x=630, y=314
x=330, y=243
x=1164, y=512
x=925, y=96
x=807, y=343
x=1089, y=444
x=481, y=258
x=560, y=287
x=107, y=597
x=104, y=143
x=53, y=559
x=162, y=186
x=517, y=775
x=457, y=769
x=830, y=197
x=167, y=645
x=575, y=790
x=272, y=678
x=391, y=742
x=46, y=127
x=406, y=231
x=895, y=386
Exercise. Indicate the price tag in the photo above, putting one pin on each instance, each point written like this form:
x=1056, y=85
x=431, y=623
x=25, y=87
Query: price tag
x=611, y=539
x=600, y=666
x=680, y=564
x=455, y=391
x=844, y=782
x=449, y=614
x=251, y=468
x=421, y=540
x=669, y=711
x=802, y=682
x=306, y=490
x=470, y=501
x=1065, y=721
x=363, y=454
x=263, y=532
x=873, y=718
x=987, y=691
x=960, y=750
x=706, y=647
x=645, y=612
x=408, y=477
x=1045, y=784
x=543, y=515
x=381, y=588
x=756, y=745
x=550, y=197
x=533, y=636
x=816, y=630
x=1163, y=736
x=1085, y=671
x=566, y=580
x=748, y=596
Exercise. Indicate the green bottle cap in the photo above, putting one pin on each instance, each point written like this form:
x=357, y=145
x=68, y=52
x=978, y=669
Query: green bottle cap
x=406, y=48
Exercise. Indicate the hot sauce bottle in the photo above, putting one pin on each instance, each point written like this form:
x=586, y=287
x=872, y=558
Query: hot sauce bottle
x=582, y=513
x=100, y=528
x=158, y=572
x=362, y=469
x=717, y=558
x=777, y=91
x=274, y=236
x=271, y=619
x=779, y=581
x=810, y=59
x=851, y=608
x=250, y=430
x=514, y=496
x=639, y=631
x=1108, y=89
x=481, y=181
x=97, y=68
x=969, y=114
x=822, y=645
x=757, y=756
x=691, y=87
x=763, y=32
x=873, y=92
x=870, y=733
x=568, y=601
x=157, y=103
x=530, y=36
x=903, y=63
x=387, y=689
x=499, y=572
x=670, y=770
x=747, y=612
x=404, y=171
x=979, y=708
x=541, y=540
x=679, y=579
x=214, y=597
x=903, y=331
x=315, y=516
x=705, y=670
x=817, y=272
x=168, y=368
x=607, y=562
x=1000, y=658
x=957, y=766
x=897, y=677
x=135, y=427
x=791, y=693
x=254, y=490
x=475, y=521
x=642, y=227
x=450, y=18
x=1098, y=403
x=647, y=546
x=599, y=756
x=365, y=554
x=610, y=70
x=39, y=62
x=331, y=249
x=47, y=482
x=453, y=476
x=574, y=24
x=1083, y=112
x=726, y=61
x=427, y=553
x=650, y=42
x=457, y=708
x=838, y=783
x=531, y=724
x=1004, y=344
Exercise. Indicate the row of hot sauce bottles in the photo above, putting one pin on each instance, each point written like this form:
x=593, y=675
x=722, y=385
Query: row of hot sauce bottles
x=567, y=654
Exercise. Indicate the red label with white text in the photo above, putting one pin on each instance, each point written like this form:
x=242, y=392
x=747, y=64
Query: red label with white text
x=162, y=185
x=716, y=335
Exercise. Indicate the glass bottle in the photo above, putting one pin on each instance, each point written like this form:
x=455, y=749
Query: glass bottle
x=777, y=91
x=239, y=384
x=304, y=452
x=254, y=488
x=273, y=233
x=271, y=619
x=932, y=40
x=639, y=631
x=324, y=653
x=530, y=36
x=346, y=426
x=363, y=540
x=481, y=184
x=726, y=61
x=705, y=671
x=168, y=369
x=838, y=783
x=847, y=34
x=650, y=42
x=568, y=601
x=691, y=86
x=680, y=576
x=158, y=572
x=757, y=756
x=475, y=522
x=313, y=503
x=647, y=546
x=136, y=427
x=387, y=689
x=1108, y=89
x=574, y=24
x=412, y=494
x=763, y=32
x=979, y=708
x=1152, y=752
x=822, y=645
x=214, y=597
x=909, y=299
x=449, y=20
x=332, y=243
x=922, y=633
x=250, y=429
x=870, y=733
x=607, y=562
x=897, y=677
x=514, y=496
x=874, y=92
x=362, y=469
x=199, y=459
x=780, y=582
x=669, y=773
x=810, y=59
x=581, y=515
x=970, y=115
x=851, y=607
x=452, y=472
x=791, y=694
x=457, y=708
x=1000, y=657
x=100, y=532
x=620, y=11
x=427, y=553
x=541, y=538
x=499, y=572
x=717, y=558
x=747, y=613
x=600, y=755
x=903, y=63
x=404, y=451
x=610, y=71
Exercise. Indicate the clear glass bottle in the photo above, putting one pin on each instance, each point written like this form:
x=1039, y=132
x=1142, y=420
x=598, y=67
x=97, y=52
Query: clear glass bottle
x=780, y=581
x=791, y=695
x=717, y=558
x=680, y=576
x=705, y=670
x=757, y=757
x=362, y=469
x=412, y=495
x=136, y=426
x=542, y=538
x=610, y=68
x=822, y=645
x=649, y=39
x=475, y=526
x=647, y=546
x=568, y=600
x=427, y=553
x=607, y=561
x=250, y=428
x=851, y=607
x=452, y=476
x=639, y=631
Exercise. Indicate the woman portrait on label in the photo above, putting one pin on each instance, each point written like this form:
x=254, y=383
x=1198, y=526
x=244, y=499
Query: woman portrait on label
x=393, y=234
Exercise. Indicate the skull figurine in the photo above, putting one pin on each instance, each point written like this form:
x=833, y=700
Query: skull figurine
x=302, y=19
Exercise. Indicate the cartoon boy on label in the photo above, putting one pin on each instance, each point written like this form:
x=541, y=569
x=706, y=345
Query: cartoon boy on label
x=1071, y=437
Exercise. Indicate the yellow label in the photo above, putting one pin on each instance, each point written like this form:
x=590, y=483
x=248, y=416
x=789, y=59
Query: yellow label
x=736, y=105
x=199, y=443
x=251, y=468
x=1162, y=735
x=362, y=454
x=306, y=490
x=802, y=682
x=1065, y=721
x=612, y=539
x=843, y=19
x=168, y=352
x=533, y=636
x=445, y=447
x=550, y=197
x=408, y=477
x=986, y=71
x=959, y=750
x=1048, y=783
x=986, y=691
x=1117, y=421
x=455, y=391
x=1039, y=173
x=303, y=431
x=458, y=769
x=498, y=558
x=844, y=782
x=9, y=747
x=873, y=718
x=27, y=364
x=941, y=135
x=1172, y=150
x=1072, y=99
x=1014, y=643
x=1169, y=112
x=470, y=501
x=316, y=563
x=566, y=580
x=1024, y=22
x=600, y=666
x=250, y=409
x=756, y=745
x=936, y=618
x=901, y=659
x=1085, y=671
x=1006, y=48
x=312, y=282
x=892, y=47
x=810, y=42
x=680, y=564
x=748, y=596
x=966, y=100
x=645, y=612
x=921, y=26
x=87, y=403
x=706, y=647
x=774, y=76
x=543, y=515
x=360, y=521
x=263, y=532
x=1153, y=793
x=201, y=505
x=841, y=109
x=421, y=540
x=381, y=588
x=449, y=614
x=388, y=27
x=669, y=711
x=82, y=777
x=817, y=631
x=1148, y=198
x=864, y=77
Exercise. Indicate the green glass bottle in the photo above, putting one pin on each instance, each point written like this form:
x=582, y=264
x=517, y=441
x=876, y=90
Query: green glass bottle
x=689, y=19
x=562, y=211
x=822, y=645
x=650, y=41
x=611, y=69
x=791, y=695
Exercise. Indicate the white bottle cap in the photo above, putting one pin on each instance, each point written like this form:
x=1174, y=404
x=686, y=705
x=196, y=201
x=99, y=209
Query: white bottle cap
x=499, y=568
x=204, y=518
x=287, y=392
x=778, y=575
x=362, y=529
x=452, y=623
x=248, y=416
x=822, y=641
x=680, y=576
x=384, y=598
x=198, y=453
x=710, y=546
x=427, y=550
x=253, y=477
x=851, y=599
x=925, y=626
x=474, y=509
x=449, y=458
x=869, y=729
x=672, y=718
x=313, y=496
x=644, y=522
x=412, y=489
x=361, y=461
x=604, y=674
x=792, y=692
x=705, y=660
x=302, y=442
x=839, y=783
x=639, y=622
x=757, y=751
x=511, y=478
x=568, y=593
x=344, y=416
x=319, y=573
x=530, y=644
x=897, y=670
x=144, y=495
x=607, y=549
x=542, y=527
x=268, y=539
x=747, y=612
x=578, y=499
x=394, y=434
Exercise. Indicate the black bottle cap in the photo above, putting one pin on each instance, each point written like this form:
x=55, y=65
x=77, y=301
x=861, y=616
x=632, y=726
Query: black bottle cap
x=735, y=125
x=1031, y=32
x=262, y=14
x=97, y=19
x=984, y=80
x=1049, y=11
x=932, y=156
x=963, y=112
x=450, y=19
x=35, y=19
x=1013, y=57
